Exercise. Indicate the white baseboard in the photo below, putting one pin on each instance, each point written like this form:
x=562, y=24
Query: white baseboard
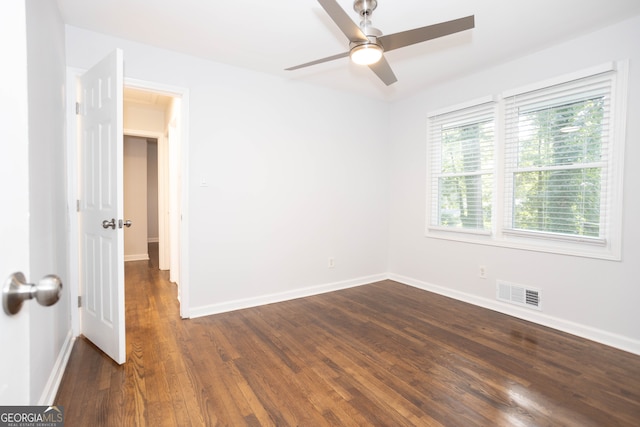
x=282, y=296
x=136, y=257
x=593, y=334
x=53, y=383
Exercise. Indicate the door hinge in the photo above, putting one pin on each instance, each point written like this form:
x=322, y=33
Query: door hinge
x=78, y=205
x=79, y=301
x=77, y=108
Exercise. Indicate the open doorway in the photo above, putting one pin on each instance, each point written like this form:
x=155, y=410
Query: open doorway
x=141, y=195
x=152, y=176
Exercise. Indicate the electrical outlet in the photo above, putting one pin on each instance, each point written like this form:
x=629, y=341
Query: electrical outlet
x=482, y=272
x=331, y=263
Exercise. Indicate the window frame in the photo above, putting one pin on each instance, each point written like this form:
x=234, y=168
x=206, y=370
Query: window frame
x=610, y=247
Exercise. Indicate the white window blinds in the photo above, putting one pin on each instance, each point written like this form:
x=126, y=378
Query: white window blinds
x=556, y=160
x=461, y=168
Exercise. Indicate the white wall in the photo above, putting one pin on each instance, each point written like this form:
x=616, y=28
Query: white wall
x=590, y=297
x=135, y=198
x=153, y=119
x=144, y=117
x=49, y=224
x=292, y=177
x=152, y=191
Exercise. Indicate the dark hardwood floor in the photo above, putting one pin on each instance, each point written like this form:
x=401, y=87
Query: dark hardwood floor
x=384, y=354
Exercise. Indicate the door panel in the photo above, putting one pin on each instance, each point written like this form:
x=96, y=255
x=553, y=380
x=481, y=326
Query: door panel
x=14, y=193
x=102, y=249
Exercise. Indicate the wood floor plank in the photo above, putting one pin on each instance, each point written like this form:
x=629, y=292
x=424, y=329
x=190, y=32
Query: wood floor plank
x=383, y=354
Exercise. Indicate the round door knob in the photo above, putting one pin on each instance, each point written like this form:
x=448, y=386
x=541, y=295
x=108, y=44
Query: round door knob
x=16, y=290
x=48, y=290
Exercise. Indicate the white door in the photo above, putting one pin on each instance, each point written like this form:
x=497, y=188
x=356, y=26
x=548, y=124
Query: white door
x=100, y=94
x=14, y=193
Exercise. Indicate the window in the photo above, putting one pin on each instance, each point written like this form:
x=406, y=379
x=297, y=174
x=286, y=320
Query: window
x=556, y=186
x=462, y=161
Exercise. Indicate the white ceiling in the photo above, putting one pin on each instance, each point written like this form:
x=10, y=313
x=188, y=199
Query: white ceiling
x=269, y=36
x=147, y=98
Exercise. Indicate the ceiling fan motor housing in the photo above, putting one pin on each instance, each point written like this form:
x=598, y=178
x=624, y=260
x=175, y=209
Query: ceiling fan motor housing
x=371, y=40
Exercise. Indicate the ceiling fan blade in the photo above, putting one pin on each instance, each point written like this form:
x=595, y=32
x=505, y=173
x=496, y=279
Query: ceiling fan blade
x=342, y=20
x=383, y=71
x=430, y=32
x=319, y=61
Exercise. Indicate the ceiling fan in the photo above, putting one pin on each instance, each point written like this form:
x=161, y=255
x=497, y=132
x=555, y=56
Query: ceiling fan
x=367, y=44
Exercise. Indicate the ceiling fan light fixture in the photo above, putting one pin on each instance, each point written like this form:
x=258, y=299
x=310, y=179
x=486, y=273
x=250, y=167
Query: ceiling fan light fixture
x=367, y=43
x=366, y=54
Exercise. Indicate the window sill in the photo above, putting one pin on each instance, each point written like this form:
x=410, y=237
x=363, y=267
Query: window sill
x=514, y=241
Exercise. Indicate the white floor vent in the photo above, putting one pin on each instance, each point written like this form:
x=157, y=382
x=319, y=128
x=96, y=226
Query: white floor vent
x=519, y=295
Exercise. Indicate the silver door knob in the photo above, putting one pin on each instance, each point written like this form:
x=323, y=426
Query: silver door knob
x=16, y=290
x=127, y=223
x=106, y=223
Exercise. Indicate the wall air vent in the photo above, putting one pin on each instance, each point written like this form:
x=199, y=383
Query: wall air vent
x=519, y=295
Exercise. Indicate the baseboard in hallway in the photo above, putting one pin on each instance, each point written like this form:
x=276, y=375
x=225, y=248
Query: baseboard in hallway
x=136, y=257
